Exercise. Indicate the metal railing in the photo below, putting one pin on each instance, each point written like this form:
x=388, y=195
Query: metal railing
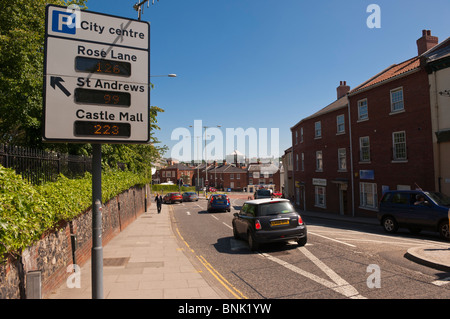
x=38, y=166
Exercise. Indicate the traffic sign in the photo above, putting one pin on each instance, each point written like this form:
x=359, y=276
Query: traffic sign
x=96, y=78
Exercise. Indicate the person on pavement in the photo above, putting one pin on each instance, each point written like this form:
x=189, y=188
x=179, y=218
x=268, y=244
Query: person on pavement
x=158, y=200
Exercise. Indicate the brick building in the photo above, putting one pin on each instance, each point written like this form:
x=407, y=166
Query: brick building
x=175, y=172
x=266, y=175
x=320, y=148
x=391, y=134
x=227, y=176
x=375, y=137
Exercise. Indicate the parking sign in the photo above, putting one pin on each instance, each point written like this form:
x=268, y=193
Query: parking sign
x=96, y=78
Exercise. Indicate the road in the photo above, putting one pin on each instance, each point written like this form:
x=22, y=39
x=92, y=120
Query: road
x=340, y=260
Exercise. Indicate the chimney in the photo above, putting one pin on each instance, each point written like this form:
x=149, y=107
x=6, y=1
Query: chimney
x=342, y=89
x=426, y=42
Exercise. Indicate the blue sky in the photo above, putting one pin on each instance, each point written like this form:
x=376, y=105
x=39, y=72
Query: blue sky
x=268, y=64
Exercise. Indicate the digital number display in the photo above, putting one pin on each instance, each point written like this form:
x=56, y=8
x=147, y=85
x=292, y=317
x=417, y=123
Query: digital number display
x=110, y=67
x=102, y=129
x=101, y=97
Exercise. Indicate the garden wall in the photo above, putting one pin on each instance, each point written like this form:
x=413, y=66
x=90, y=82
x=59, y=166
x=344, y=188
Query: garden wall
x=70, y=244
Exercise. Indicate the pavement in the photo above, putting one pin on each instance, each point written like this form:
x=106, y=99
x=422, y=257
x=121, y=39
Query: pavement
x=146, y=261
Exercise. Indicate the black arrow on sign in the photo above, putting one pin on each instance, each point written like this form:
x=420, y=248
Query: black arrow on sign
x=56, y=80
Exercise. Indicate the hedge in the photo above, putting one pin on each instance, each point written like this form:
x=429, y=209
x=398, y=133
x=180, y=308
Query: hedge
x=27, y=211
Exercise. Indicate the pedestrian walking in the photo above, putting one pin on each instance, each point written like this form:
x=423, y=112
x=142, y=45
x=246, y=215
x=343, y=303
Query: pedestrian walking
x=158, y=200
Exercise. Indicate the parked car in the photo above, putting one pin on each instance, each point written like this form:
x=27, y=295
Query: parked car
x=415, y=210
x=263, y=193
x=212, y=190
x=190, y=197
x=171, y=198
x=269, y=220
x=219, y=202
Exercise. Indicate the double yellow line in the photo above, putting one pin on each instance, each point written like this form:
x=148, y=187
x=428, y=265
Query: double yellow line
x=233, y=290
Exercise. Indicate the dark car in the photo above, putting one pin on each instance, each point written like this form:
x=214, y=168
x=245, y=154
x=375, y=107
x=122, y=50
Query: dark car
x=172, y=198
x=415, y=210
x=190, y=197
x=269, y=220
x=219, y=202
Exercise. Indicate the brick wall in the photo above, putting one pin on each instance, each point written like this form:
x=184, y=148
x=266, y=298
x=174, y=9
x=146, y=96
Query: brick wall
x=53, y=253
x=418, y=169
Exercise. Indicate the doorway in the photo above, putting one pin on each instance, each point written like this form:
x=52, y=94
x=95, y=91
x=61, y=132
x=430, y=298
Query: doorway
x=343, y=207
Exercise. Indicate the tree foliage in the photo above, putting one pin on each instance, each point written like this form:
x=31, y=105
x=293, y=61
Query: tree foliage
x=27, y=211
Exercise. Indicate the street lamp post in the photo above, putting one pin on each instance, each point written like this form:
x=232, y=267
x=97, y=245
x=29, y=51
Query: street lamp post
x=206, y=160
x=198, y=166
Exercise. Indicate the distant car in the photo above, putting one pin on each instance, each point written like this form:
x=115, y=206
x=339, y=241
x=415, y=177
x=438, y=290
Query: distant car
x=212, y=190
x=415, y=210
x=277, y=194
x=171, y=198
x=263, y=193
x=269, y=220
x=219, y=202
x=190, y=197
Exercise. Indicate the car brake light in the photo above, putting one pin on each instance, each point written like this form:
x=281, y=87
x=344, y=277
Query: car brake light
x=257, y=225
x=300, y=220
x=211, y=199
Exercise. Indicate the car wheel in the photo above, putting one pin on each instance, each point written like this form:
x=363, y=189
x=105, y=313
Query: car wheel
x=235, y=233
x=444, y=230
x=251, y=242
x=302, y=241
x=390, y=225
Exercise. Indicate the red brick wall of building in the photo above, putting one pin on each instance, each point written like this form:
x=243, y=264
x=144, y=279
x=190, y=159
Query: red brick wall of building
x=415, y=121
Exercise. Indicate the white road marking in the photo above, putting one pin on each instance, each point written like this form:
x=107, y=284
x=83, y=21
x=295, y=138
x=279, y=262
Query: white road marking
x=227, y=225
x=441, y=282
x=188, y=213
x=398, y=240
x=214, y=217
x=332, y=239
x=339, y=285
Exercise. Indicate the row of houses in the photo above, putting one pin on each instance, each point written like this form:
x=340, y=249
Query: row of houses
x=390, y=132
x=235, y=177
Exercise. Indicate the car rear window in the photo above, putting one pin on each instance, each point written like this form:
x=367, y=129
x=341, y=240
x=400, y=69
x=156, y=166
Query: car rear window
x=263, y=192
x=275, y=208
x=220, y=197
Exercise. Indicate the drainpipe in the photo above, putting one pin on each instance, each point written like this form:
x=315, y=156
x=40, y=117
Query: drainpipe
x=438, y=146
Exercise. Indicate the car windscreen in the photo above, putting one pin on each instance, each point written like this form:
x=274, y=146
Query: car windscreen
x=263, y=192
x=275, y=208
x=439, y=198
x=220, y=197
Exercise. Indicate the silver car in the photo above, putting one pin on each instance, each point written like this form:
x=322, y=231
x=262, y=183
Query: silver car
x=190, y=197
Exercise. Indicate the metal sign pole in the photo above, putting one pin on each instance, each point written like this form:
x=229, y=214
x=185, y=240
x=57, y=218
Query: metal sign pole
x=97, y=248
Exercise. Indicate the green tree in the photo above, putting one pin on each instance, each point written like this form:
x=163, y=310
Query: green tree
x=22, y=30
